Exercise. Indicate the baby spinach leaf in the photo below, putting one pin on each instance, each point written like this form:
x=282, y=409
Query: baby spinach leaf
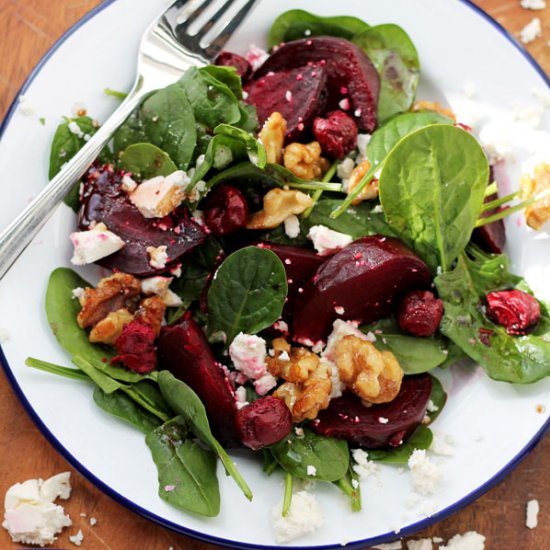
x=421, y=438
x=227, y=76
x=73, y=374
x=254, y=148
x=130, y=132
x=432, y=188
x=356, y=221
x=120, y=405
x=415, y=355
x=249, y=118
x=105, y=382
x=213, y=101
x=515, y=359
x=248, y=292
x=186, y=471
x=395, y=57
x=438, y=398
x=329, y=456
x=169, y=123
x=182, y=399
x=61, y=312
x=279, y=236
x=146, y=161
x=295, y=24
x=387, y=136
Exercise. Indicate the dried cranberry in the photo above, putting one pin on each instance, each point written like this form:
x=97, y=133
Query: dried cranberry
x=225, y=210
x=420, y=313
x=337, y=134
x=136, y=347
x=230, y=59
x=517, y=311
x=264, y=422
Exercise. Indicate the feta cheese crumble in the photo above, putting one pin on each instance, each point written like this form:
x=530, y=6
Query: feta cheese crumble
x=468, y=541
x=78, y=538
x=159, y=286
x=533, y=4
x=363, y=467
x=157, y=197
x=420, y=544
x=425, y=474
x=340, y=329
x=304, y=517
x=292, y=226
x=4, y=335
x=157, y=256
x=396, y=545
x=531, y=31
x=74, y=128
x=311, y=470
x=327, y=241
x=26, y=106
x=31, y=517
x=442, y=445
x=94, y=244
x=531, y=514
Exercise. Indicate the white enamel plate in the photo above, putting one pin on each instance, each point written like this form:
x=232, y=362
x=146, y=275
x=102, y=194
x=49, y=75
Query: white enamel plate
x=493, y=425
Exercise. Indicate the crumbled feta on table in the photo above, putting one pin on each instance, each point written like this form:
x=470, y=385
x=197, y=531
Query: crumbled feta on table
x=531, y=31
x=77, y=538
x=327, y=241
x=533, y=4
x=94, y=244
x=31, y=517
x=304, y=517
x=420, y=544
x=531, y=514
x=468, y=541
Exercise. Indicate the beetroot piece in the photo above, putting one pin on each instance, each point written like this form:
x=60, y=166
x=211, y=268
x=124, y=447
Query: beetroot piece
x=336, y=134
x=490, y=237
x=361, y=283
x=104, y=201
x=299, y=94
x=136, y=347
x=353, y=82
x=185, y=352
x=420, y=313
x=225, y=210
x=230, y=59
x=264, y=422
x=300, y=266
x=517, y=311
x=378, y=426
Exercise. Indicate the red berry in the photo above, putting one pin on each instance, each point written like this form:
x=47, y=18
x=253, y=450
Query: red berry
x=337, y=134
x=229, y=59
x=420, y=313
x=517, y=311
x=136, y=347
x=264, y=422
x=225, y=210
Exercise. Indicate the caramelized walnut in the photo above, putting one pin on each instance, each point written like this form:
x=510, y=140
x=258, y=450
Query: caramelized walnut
x=370, y=191
x=305, y=161
x=537, y=214
x=272, y=136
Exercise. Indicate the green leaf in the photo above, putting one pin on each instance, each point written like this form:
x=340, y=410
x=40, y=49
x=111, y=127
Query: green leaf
x=227, y=76
x=438, y=398
x=356, y=221
x=386, y=137
x=395, y=57
x=120, y=405
x=421, y=438
x=130, y=132
x=515, y=359
x=186, y=471
x=295, y=24
x=254, y=148
x=105, y=382
x=169, y=124
x=182, y=399
x=73, y=374
x=62, y=310
x=248, y=292
x=329, y=456
x=414, y=354
x=432, y=188
x=213, y=101
x=146, y=161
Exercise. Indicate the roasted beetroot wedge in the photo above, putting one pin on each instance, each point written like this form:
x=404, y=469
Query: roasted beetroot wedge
x=264, y=422
x=299, y=94
x=490, y=237
x=103, y=200
x=185, y=352
x=347, y=418
x=353, y=82
x=359, y=283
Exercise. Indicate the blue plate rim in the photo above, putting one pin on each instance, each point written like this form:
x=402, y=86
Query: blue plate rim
x=121, y=499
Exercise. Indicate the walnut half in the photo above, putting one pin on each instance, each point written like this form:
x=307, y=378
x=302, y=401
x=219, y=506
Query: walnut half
x=536, y=215
x=272, y=136
x=305, y=161
x=375, y=376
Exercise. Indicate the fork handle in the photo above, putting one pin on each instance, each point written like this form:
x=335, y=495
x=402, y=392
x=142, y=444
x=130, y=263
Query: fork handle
x=19, y=233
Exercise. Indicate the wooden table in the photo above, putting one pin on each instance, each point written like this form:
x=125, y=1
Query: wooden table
x=27, y=29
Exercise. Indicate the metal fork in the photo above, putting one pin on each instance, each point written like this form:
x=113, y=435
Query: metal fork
x=166, y=51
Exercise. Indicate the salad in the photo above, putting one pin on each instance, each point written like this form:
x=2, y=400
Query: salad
x=293, y=247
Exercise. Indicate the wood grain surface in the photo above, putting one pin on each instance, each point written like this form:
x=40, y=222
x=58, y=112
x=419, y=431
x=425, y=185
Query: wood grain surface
x=27, y=29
